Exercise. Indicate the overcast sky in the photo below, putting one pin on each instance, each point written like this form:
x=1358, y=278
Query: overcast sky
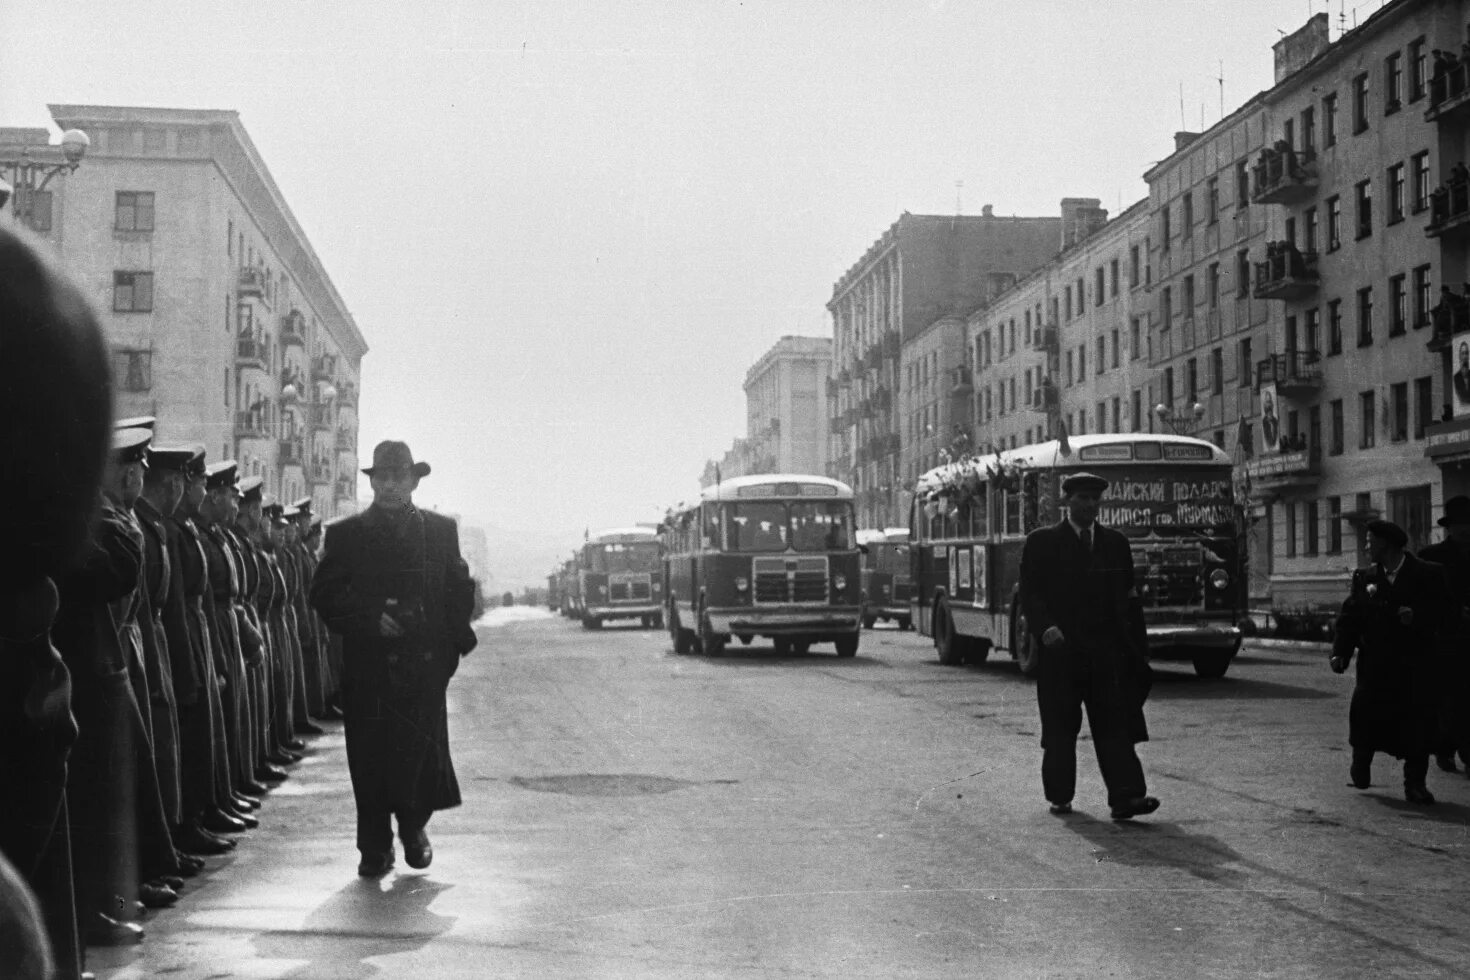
x=567, y=229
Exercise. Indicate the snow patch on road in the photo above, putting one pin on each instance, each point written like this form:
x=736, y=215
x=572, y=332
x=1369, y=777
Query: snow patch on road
x=511, y=614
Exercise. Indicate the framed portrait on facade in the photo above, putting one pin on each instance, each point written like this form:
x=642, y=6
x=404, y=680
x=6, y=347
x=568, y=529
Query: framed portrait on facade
x=982, y=594
x=1270, y=419
x=1460, y=378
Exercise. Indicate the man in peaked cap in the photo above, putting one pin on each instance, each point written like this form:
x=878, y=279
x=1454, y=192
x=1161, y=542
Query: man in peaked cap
x=1392, y=619
x=1453, y=553
x=1086, y=628
x=392, y=583
x=258, y=590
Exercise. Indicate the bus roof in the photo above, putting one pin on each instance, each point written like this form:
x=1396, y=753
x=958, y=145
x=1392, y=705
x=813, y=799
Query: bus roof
x=883, y=535
x=1048, y=455
x=801, y=485
x=623, y=535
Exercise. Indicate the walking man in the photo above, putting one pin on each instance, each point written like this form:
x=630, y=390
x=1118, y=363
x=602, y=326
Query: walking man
x=1078, y=598
x=1392, y=619
x=392, y=583
x=1453, y=553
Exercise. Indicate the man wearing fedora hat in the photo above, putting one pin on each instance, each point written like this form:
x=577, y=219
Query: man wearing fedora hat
x=1453, y=554
x=392, y=583
x=1081, y=610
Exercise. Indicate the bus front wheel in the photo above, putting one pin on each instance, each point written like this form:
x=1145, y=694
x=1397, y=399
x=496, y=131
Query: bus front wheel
x=683, y=639
x=847, y=646
x=905, y=623
x=713, y=643
x=868, y=622
x=1212, y=663
x=591, y=623
x=949, y=644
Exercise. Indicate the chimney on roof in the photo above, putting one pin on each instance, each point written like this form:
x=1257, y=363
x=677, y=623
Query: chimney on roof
x=1183, y=139
x=1295, y=50
x=987, y=211
x=1081, y=216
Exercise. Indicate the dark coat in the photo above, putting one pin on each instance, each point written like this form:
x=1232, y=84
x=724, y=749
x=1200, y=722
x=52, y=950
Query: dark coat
x=1400, y=667
x=409, y=565
x=1091, y=599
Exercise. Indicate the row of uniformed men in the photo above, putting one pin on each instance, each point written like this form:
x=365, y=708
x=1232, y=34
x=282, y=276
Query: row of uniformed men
x=196, y=666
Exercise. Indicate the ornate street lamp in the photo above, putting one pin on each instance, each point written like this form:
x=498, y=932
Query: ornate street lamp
x=1180, y=422
x=21, y=174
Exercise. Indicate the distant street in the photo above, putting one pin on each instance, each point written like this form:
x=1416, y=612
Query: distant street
x=633, y=813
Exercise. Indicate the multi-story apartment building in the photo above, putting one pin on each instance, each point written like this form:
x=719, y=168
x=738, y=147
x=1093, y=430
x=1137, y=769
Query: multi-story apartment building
x=785, y=412
x=924, y=268
x=223, y=321
x=1296, y=252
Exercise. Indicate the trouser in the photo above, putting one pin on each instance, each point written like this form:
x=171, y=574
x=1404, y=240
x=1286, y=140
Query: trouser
x=375, y=826
x=240, y=769
x=1416, y=765
x=102, y=789
x=165, y=725
x=1065, y=687
x=300, y=708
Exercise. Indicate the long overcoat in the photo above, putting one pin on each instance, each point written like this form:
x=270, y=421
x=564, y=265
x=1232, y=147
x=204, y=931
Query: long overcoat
x=1400, y=666
x=407, y=563
x=1454, y=705
x=1091, y=599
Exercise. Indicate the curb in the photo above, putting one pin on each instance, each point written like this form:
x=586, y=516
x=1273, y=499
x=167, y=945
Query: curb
x=1270, y=643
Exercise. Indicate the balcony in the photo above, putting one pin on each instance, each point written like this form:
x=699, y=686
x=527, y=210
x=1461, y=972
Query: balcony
x=1295, y=373
x=1277, y=473
x=1046, y=339
x=324, y=367
x=1281, y=176
x=892, y=345
x=1449, y=207
x=882, y=398
x=289, y=452
x=293, y=329
x=837, y=424
x=347, y=395
x=961, y=383
x=252, y=351
x=843, y=378
x=1288, y=273
x=1449, y=92
x=1448, y=442
x=320, y=417
x=346, y=488
x=251, y=281
x=250, y=425
x=1045, y=398
x=319, y=470
x=873, y=357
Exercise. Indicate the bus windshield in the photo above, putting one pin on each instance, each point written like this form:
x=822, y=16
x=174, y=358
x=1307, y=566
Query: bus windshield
x=805, y=525
x=639, y=557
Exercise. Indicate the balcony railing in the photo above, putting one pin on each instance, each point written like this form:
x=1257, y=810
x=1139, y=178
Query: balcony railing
x=1283, y=176
x=1045, y=338
x=1449, y=90
x=249, y=425
x=961, y=383
x=251, y=281
x=346, y=488
x=347, y=395
x=1448, y=442
x=320, y=417
x=1450, y=317
x=1449, y=206
x=1273, y=473
x=252, y=351
x=319, y=470
x=293, y=328
x=1288, y=273
x=323, y=367
x=1045, y=397
x=1293, y=373
x=289, y=452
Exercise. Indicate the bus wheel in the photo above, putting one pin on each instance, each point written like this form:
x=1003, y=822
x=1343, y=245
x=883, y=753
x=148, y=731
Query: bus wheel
x=847, y=646
x=1023, y=644
x=745, y=638
x=782, y=645
x=591, y=623
x=868, y=622
x=980, y=651
x=712, y=642
x=683, y=639
x=905, y=623
x=1212, y=664
x=801, y=647
x=946, y=642
x=658, y=620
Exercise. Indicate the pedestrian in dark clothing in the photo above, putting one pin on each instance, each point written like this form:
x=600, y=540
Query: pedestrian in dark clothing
x=392, y=583
x=1392, y=619
x=1453, y=554
x=1080, y=606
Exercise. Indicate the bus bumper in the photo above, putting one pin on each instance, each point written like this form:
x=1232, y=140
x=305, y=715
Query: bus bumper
x=1192, y=638
x=892, y=610
x=625, y=612
x=786, y=622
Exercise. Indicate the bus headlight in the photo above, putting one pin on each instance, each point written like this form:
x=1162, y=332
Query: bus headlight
x=840, y=582
x=887, y=590
x=1219, y=578
x=602, y=590
x=742, y=583
x=658, y=586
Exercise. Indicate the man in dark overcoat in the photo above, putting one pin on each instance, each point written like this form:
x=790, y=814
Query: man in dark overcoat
x=1393, y=619
x=391, y=581
x=1453, y=554
x=1081, y=608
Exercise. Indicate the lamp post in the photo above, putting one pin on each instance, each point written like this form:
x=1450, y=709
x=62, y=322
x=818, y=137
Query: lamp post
x=1180, y=422
x=20, y=175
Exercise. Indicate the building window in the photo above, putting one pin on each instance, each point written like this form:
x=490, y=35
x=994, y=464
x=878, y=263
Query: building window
x=1365, y=316
x=1423, y=405
x=1334, y=525
x=1334, y=326
x=1366, y=415
x=1290, y=508
x=1169, y=386
x=1396, y=193
x=1360, y=103
x=1393, y=83
x=1117, y=418
x=1313, y=528
x=1189, y=297
x=1242, y=273
x=1135, y=344
x=133, y=211
x=1067, y=296
x=1419, y=168
x=1214, y=285
x=1081, y=295
x=132, y=370
x=1364, y=197
x=1417, y=65
x=1212, y=200
x=1082, y=421
x=1134, y=269
x=1166, y=307
x=1312, y=327
x=1217, y=371
x=1309, y=132
x=1191, y=373
x=1069, y=368
x=132, y=292
x=1081, y=363
x=1421, y=296
x=1186, y=215
x=1329, y=119
x=1115, y=348
x=1309, y=230
x=1243, y=365
x=1164, y=228
x=1337, y=443
x=1398, y=397
x=1334, y=223
x=1136, y=410
x=1102, y=351
x=1398, y=305
x=1113, y=278
x=1242, y=184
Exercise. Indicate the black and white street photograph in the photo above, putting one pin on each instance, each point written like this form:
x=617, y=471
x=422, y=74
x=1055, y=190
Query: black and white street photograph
x=741, y=489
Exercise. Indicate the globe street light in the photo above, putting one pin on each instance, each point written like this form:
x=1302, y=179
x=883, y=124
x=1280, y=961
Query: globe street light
x=1180, y=422
x=21, y=175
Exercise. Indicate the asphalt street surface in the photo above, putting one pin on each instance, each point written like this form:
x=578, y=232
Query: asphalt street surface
x=633, y=813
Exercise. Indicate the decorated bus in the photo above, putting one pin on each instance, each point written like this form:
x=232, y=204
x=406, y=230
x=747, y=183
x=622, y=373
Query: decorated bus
x=887, y=585
x=620, y=577
x=773, y=555
x=1172, y=496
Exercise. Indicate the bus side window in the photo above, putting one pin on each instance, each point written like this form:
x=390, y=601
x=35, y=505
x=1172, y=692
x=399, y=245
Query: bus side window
x=1013, y=512
x=980, y=513
x=1031, y=518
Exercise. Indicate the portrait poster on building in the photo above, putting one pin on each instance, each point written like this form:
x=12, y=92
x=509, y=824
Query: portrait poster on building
x=1460, y=378
x=982, y=594
x=1270, y=419
x=964, y=569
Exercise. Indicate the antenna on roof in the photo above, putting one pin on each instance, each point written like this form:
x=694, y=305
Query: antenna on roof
x=1221, y=79
x=1183, y=123
x=959, y=186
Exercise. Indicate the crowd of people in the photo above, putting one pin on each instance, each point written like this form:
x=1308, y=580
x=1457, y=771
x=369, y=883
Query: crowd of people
x=160, y=662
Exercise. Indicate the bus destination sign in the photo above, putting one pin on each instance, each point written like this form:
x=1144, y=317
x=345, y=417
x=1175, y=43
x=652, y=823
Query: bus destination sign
x=1148, y=498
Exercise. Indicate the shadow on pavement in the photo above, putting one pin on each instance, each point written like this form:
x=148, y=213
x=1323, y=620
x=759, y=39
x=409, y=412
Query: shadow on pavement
x=1152, y=844
x=1178, y=686
x=361, y=921
x=1440, y=812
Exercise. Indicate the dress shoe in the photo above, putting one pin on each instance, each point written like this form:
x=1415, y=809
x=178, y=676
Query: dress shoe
x=295, y=745
x=254, y=790
x=216, y=821
x=269, y=774
x=309, y=728
x=1418, y=794
x=1360, y=775
x=172, y=881
x=1446, y=761
x=156, y=895
x=196, y=840
x=190, y=865
x=104, y=930
x=1060, y=809
x=279, y=758
x=376, y=865
x=331, y=713
x=417, y=850
x=244, y=803
x=248, y=819
x=1136, y=807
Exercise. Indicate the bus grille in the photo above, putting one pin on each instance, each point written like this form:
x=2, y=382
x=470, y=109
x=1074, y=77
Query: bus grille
x=788, y=580
x=1169, y=576
x=629, y=588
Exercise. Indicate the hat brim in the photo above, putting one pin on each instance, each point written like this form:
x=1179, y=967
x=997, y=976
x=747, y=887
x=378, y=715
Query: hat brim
x=420, y=470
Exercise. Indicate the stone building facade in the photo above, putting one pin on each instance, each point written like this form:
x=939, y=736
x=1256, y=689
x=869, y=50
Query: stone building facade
x=785, y=412
x=223, y=322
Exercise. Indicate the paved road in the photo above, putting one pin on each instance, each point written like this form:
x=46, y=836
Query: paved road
x=632, y=813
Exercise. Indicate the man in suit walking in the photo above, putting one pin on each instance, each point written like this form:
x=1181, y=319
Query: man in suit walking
x=1080, y=606
x=392, y=583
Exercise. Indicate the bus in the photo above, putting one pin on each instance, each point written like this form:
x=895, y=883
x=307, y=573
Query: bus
x=773, y=555
x=887, y=584
x=620, y=577
x=1171, y=495
x=553, y=591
